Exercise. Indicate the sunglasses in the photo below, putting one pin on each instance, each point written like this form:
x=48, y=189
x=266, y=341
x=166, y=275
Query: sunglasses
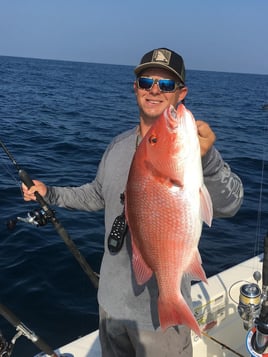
x=165, y=85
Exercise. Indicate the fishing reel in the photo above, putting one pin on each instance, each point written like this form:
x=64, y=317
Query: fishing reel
x=253, y=309
x=249, y=304
x=37, y=217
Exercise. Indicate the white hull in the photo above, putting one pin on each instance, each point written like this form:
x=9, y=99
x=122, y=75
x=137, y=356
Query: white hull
x=215, y=311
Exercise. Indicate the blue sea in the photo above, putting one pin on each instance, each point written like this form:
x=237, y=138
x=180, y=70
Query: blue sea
x=57, y=117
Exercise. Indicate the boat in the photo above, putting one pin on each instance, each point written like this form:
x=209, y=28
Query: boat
x=217, y=304
x=231, y=308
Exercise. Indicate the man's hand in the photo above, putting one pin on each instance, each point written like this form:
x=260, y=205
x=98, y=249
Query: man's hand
x=206, y=136
x=28, y=194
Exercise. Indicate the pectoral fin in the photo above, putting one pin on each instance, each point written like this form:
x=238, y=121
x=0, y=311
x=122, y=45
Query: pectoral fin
x=206, y=206
x=141, y=270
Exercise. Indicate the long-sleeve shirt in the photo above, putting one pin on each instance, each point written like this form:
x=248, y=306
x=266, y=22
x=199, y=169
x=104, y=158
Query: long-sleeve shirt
x=118, y=294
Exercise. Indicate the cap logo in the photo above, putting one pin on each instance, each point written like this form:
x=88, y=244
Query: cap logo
x=161, y=56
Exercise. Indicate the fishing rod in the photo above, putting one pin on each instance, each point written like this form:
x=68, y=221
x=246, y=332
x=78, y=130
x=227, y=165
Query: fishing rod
x=22, y=330
x=258, y=336
x=253, y=309
x=48, y=215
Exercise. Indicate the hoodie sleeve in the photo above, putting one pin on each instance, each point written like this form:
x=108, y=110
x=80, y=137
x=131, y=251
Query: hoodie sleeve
x=87, y=197
x=224, y=186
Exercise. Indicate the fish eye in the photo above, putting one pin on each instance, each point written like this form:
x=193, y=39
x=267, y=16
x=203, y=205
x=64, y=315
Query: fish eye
x=152, y=139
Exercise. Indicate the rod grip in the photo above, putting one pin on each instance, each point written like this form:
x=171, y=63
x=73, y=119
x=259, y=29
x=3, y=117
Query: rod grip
x=25, y=178
x=9, y=316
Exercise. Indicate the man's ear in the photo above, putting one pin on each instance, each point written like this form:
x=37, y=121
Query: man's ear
x=183, y=93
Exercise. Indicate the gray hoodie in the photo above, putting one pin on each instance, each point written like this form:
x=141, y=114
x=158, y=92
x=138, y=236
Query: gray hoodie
x=118, y=293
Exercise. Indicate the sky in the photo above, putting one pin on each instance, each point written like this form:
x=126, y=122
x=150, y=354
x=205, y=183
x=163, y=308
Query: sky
x=214, y=35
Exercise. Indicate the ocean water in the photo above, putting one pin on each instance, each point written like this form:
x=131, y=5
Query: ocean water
x=57, y=118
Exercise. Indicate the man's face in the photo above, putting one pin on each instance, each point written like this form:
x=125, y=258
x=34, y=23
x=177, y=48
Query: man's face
x=152, y=102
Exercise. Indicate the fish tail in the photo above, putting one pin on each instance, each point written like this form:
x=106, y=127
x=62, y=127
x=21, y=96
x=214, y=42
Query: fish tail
x=174, y=312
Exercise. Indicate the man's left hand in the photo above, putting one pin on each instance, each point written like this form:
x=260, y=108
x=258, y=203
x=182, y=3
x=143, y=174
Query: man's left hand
x=206, y=136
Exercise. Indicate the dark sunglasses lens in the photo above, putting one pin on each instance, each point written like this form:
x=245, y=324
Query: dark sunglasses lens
x=167, y=85
x=145, y=83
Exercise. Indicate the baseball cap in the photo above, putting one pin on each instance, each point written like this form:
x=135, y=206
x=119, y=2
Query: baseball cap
x=163, y=58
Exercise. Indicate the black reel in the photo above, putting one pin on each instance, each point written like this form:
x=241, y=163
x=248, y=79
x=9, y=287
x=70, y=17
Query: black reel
x=37, y=217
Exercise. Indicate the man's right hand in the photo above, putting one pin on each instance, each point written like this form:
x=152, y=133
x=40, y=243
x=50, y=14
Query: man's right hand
x=28, y=194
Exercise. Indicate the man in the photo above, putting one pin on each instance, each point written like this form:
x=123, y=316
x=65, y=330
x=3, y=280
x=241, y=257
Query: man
x=129, y=324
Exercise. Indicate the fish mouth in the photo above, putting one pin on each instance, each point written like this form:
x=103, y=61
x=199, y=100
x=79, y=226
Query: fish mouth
x=171, y=118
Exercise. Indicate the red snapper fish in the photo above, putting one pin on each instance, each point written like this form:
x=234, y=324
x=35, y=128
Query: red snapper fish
x=166, y=204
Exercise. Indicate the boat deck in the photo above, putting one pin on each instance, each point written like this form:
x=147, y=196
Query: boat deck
x=215, y=307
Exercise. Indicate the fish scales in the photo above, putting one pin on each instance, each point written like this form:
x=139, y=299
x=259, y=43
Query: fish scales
x=166, y=204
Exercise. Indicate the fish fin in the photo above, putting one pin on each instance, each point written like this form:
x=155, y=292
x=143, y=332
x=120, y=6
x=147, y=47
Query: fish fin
x=174, y=311
x=195, y=269
x=206, y=206
x=141, y=270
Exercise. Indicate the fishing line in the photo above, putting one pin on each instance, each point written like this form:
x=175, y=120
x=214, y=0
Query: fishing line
x=49, y=215
x=223, y=345
x=260, y=202
x=9, y=169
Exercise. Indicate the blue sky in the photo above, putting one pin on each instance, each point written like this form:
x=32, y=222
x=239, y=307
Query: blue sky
x=229, y=36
